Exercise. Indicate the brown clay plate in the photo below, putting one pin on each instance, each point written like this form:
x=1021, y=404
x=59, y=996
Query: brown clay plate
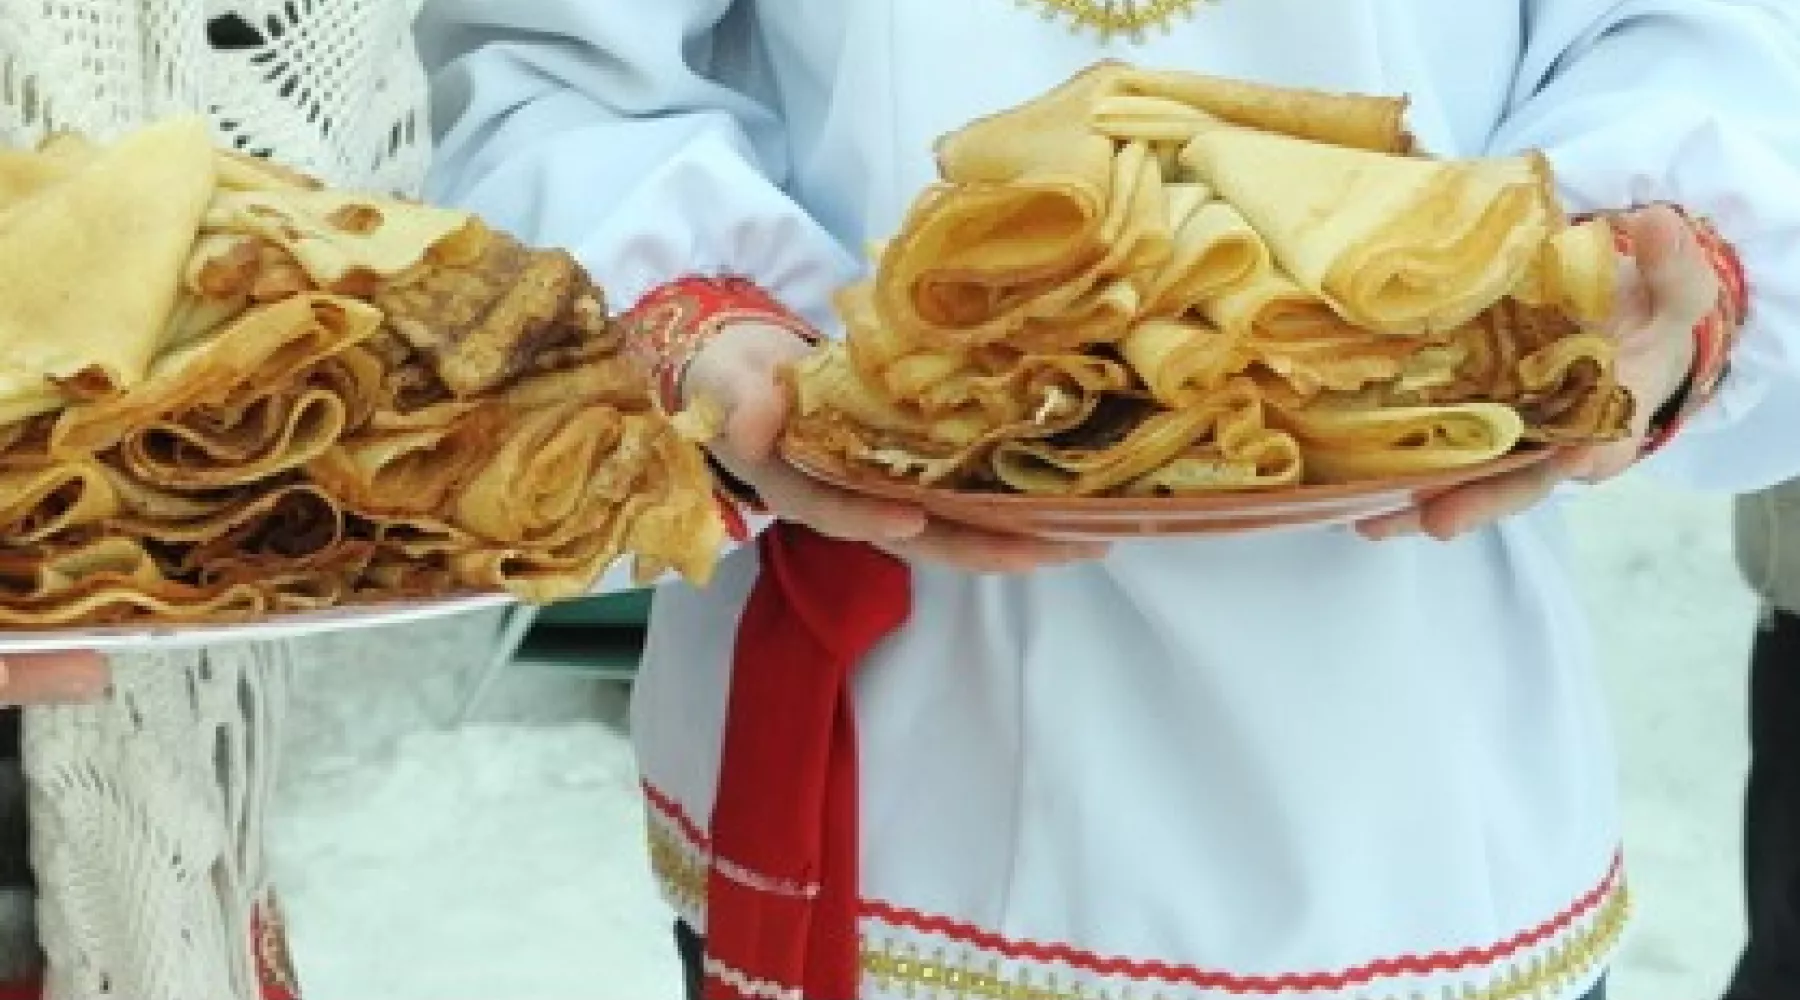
x=1124, y=518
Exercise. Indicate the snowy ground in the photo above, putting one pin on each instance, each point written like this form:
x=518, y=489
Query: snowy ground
x=502, y=862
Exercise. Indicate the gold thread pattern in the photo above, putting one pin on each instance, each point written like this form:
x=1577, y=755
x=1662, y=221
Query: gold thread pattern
x=1130, y=18
x=681, y=871
x=942, y=974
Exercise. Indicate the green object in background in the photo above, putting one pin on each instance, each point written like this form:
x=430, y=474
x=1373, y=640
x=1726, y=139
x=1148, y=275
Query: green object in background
x=600, y=635
x=631, y=608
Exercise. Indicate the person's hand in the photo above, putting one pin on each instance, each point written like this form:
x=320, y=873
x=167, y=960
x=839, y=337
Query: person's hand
x=1665, y=292
x=64, y=677
x=738, y=371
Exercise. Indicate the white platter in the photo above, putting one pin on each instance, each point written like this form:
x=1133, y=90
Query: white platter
x=124, y=638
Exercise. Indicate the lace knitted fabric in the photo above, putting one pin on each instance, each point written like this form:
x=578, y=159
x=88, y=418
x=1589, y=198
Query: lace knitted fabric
x=330, y=86
x=147, y=810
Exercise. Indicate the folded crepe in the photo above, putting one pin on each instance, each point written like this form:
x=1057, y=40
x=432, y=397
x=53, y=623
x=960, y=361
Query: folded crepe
x=40, y=501
x=1559, y=376
x=1576, y=274
x=1180, y=361
x=632, y=500
x=1268, y=303
x=109, y=580
x=278, y=432
x=270, y=346
x=90, y=263
x=1354, y=443
x=1138, y=103
x=515, y=526
x=977, y=262
x=411, y=466
x=1342, y=361
x=1396, y=245
x=1033, y=201
x=337, y=236
x=966, y=389
x=1570, y=392
x=283, y=531
x=258, y=430
x=1131, y=445
x=1213, y=251
x=839, y=412
x=1244, y=452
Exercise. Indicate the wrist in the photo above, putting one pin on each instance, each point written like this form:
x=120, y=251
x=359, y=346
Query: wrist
x=744, y=352
x=722, y=340
x=676, y=323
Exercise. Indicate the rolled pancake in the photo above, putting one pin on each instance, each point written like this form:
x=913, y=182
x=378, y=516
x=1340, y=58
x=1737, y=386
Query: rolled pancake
x=1179, y=361
x=1562, y=379
x=1131, y=445
x=1213, y=249
x=257, y=432
x=1358, y=444
x=280, y=533
x=1577, y=273
x=414, y=468
x=838, y=412
x=37, y=503
x=1020, y=212
x=108, y=581
x=977, y=262
x=1339, y=361
x=1570, y=392
x=542, y=533
x=552, y=466
x=268, y=346
x=275, y=434
x=1268, y=303
x=1377, y=124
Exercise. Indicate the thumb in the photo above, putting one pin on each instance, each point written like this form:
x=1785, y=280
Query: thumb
x=1681, y=285
x=757, y=413
x=739, y=372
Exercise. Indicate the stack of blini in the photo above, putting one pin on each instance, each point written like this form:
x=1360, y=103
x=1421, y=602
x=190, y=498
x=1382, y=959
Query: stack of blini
x=226, y=393
x=1155, y=284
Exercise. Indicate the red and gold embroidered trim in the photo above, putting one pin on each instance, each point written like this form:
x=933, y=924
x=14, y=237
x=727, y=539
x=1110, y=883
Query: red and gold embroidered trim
x=1714, y=336
x=976, y=964
x=274, y=963
x=910, y=970
x=670, y=325
x=1574, y=951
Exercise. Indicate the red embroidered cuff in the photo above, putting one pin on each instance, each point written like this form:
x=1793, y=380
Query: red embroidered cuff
x=1714, y=336
x=669, y=326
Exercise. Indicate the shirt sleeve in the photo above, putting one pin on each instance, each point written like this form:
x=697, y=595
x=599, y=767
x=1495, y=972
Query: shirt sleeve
x=1690, y=102
x=637, y=140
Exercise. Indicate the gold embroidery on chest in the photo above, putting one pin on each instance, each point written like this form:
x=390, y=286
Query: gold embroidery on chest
x=1117, y=17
